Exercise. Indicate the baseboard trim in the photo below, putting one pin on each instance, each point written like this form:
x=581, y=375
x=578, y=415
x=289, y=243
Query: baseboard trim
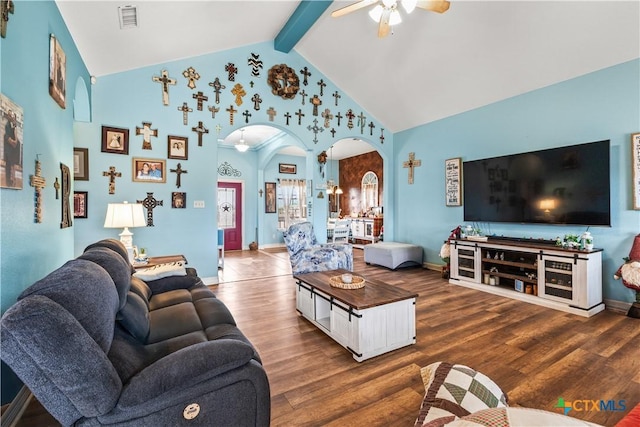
x=617, y=306
x=12, y=414
x=432, y=266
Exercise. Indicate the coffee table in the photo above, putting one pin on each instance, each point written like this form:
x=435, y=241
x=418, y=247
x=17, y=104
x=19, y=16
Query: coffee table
x=370, y=321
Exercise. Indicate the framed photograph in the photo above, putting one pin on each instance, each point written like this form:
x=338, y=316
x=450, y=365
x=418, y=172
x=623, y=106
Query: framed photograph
x=57, y=71
x=635, y=158
x=288, y=168
x=178, y=200
x=177, y=147
x=80, y=164
x=149, y=170
x=80, y=204
x=453, y=181
x=115, y=140
x=11, y=128
x=518, y=285
x=270, y=197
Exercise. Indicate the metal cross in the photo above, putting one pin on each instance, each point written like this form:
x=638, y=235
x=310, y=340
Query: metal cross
x=231, y=111
x=239, y=92
x=350, y=116
x=166, y=81
x=56, y=185
x=39, y=183
x=191, y=75
x=146, y=133
x=322, y=85
x=271, y=113
x=316, y=103
x=246, y=115
x=178, y=170
x=371, y=126
x=185, y=112
x=150, y=203
x=326, y=114
x=336, y=95
x=256, y=101
x=381, y=135
x=303, y=94
x=300, y=115
x=315, y=128
x=411, y=163
x=333, y=132
x=362, y=122
x=339, y=117
x=305, y=75
x=287, y=116
x=200, y=97
x=200, y=129
x=217, y=86
x=112, y=174
x=213, y=110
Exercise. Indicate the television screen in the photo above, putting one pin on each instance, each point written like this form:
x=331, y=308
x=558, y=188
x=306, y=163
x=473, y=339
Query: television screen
x=565, y=185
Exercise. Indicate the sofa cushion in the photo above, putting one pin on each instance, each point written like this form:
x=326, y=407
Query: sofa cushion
x=172, y=321
x=114, y=245
x=140, y=288
x=169, y=298
x=115, y=265
x=134, y=317
x=161, y=270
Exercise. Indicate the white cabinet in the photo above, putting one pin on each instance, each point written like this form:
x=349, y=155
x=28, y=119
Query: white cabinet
x=304, y=300
x=465, y=261
x=567, y=279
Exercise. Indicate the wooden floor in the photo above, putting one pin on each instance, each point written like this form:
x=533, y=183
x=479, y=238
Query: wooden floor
x=535, y=354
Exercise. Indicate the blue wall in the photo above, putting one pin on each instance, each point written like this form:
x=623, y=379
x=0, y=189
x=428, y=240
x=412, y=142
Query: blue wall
x=597, y=106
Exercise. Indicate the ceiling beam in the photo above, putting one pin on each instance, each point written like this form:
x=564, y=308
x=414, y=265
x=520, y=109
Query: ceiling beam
x=303, y=18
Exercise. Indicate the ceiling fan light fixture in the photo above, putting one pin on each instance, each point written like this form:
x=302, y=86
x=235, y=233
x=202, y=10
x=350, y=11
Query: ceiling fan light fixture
x=389, y=3
x=409, y=5
x=376, y=13
x=395, y=18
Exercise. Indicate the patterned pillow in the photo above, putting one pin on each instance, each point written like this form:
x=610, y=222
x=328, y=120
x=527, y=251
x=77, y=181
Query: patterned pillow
x=455, y=391
x=161, y=270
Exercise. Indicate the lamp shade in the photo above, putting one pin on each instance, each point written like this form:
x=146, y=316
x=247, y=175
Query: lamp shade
x=121, y=215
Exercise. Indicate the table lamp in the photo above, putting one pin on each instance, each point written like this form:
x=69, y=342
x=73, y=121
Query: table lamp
x=125, y=215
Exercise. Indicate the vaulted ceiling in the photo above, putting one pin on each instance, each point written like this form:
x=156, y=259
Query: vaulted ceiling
x=432, y=66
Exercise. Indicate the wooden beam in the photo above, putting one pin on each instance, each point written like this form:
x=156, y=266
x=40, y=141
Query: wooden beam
x=303, y=18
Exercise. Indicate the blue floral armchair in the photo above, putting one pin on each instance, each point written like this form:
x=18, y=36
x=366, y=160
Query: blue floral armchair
x=307, y=255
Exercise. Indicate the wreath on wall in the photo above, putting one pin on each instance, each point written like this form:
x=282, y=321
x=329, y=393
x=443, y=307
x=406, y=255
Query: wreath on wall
x=284, y=81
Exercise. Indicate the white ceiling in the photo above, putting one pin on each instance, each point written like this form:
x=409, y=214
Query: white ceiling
x=432, y=66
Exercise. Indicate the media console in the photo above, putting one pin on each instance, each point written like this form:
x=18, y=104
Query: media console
x=569, y=280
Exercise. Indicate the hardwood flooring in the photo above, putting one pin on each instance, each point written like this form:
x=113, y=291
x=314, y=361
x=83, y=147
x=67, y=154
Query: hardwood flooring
x=535, y=354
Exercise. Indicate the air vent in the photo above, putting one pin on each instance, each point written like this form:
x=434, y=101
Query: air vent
x=128, y=16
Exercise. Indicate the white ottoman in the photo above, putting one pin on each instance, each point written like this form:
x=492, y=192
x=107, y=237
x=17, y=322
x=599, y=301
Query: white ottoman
x=392, y=254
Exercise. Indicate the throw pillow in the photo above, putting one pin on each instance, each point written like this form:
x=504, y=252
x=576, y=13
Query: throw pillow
x=161, y=270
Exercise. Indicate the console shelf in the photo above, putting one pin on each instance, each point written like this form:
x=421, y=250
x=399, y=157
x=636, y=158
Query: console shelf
x=564, y=279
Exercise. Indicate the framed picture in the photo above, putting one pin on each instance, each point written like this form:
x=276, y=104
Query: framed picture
x=270, y=197
x=80, y=164
x=178, y=200
x=57, y=71
x=287, y=168
x=453, y=181
x=635, y=158
x=177, y=147
x=149, y=170
x=11, y=128
x=80, y=204
x=115, y=140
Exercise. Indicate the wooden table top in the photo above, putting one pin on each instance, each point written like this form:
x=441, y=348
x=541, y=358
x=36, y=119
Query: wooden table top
x=157, y=260
x=374, y=292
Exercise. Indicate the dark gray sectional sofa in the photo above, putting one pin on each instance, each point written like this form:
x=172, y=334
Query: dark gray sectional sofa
x=97, y=346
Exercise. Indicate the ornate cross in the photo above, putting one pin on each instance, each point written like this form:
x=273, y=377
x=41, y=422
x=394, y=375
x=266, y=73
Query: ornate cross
x=271, y=113
x=213, y=110
x=56, y=185
x=300, y=115
x=315, y=128
x=305, y=75
x=217, y=86
x=150, y=203
x=326, y=114
x=336, y=95
x=239, y=92
x=185, y=112
x=200, y=129
x=39, y=183
x=112, y=174
x=66, y=194
x=231, y=69
x=191, y=75
x=287, y=116
x=166, y=81
x=200, y=97
x=362, y=122
x=304, y=95
x=371, y=126
x=381, y=135
x=339, y=117
x=316, y=103
x=178, y=170
x=350, y=116
x=231, y=111
x=255, y=63
x=246, y=115
x=256, y=101
x=146, y=133
x=322, y=85
x=411, y=163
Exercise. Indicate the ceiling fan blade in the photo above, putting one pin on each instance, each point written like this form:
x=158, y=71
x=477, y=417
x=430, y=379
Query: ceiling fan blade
x=439, y=6
x=384, y=27
x=352, y=8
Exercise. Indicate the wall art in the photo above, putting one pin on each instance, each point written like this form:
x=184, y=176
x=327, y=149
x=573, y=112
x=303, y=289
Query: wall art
x=80, y=204
x=287, y=168
x=270, y=197
x=177, y=147
x=115, y=140
x=178, y=200
x=57, y=71
x=453, y=181
x=11, y=127
x=66, y=196
x=80, y=164
x=149, y=170
x=635, y=158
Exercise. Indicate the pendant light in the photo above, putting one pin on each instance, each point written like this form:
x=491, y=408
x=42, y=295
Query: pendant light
x=241, y=145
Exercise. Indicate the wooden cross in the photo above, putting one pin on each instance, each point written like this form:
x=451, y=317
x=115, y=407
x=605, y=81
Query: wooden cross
x=371, y=126
x=333, y=132
x=213, y=110
x=322, y=85
x=246, y=115
x=326, y=114
x=336, y=95
x=300, y=115
x=315, y=128
x=150, y=203
x=303, y=94
x=39, y=183
x=305, y=75
x=350, y=116
x=200, y=129
x=256, y=101
x=271, y=113
x=339, y=117
x=178, y=170
x=56, y=185
x=239, y=92
x=316, y=103
x=255, y=63
x=200, y=97
x=185, y=112
x=287, y=116
x=146, y=133
x=166, y=81
x=362, y=122
x=217, y=86
x=66, y=195
x=112, y=174
x=191, y=75
x=231, y=111
x=381, y=135
x=411, y=163
x=232, y=70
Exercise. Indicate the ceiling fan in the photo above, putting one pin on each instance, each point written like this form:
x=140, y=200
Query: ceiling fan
x=386, y=11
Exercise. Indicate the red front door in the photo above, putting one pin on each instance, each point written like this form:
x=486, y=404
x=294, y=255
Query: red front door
x=230, y=214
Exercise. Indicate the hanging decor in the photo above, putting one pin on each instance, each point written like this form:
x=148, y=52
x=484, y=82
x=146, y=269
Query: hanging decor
x=12, y=119
x=337, y=96
x=231, y=70
x=255, y=63
x=178, y=171
x=112, y=174
x=453, y=181
x=57, y=71
x=191, y=75
x=146, y=133
x=225, y=169
x=327, y=116
x=150, y=203
x=238, y=91
x=217, y=88
x=199, y=97
x=66, y=196
x=411, y=164
x=231, y=112
x=303, y=95
x=315, y=129
x=185, y=112
x=284, y=81
x=166, y=81
x=7, y=7
x=305, y=75
x=271, y=113
x=38, y=182
x=350, y=117
x=200, y=130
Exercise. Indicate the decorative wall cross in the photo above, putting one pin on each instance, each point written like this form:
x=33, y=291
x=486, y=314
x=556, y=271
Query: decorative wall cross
x=255, y=63
x=315, y=128
x=304, y=95
x=271, y=113
x=213, y=110
x=231, y=69
x=339, y=117
x=7, y=8
x=300, y=115
x=185, y=112
x=322, y=85
x=66, y=196
x=411, y=163
x=239, y=92
x=231, y=111
x=146, y=133
x=246, y=115
x=337, y=96
x=179, y=171
x=316, y=101
x=350, y=116
x=191, y=75
x=371, y=126
x=56, y=186
x=381, y=135
x=362, y=122
x=150, y=203
x=217, y=86
x=218, y=129
x=166, y=81
x=256, y=101
x=112, y=174
x=200, y=97
x=305, y=75
x=287, y=116
x=200, y=129
x=333, y=132
x=39, y=183
x=327, y=116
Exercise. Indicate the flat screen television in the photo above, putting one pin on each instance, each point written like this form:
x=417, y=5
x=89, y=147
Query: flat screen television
x=564, y=185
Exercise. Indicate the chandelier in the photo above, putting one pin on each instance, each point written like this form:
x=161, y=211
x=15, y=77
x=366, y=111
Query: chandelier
x=241, y=145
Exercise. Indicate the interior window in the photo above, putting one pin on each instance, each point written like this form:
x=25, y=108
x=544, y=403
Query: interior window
x=369, y=190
